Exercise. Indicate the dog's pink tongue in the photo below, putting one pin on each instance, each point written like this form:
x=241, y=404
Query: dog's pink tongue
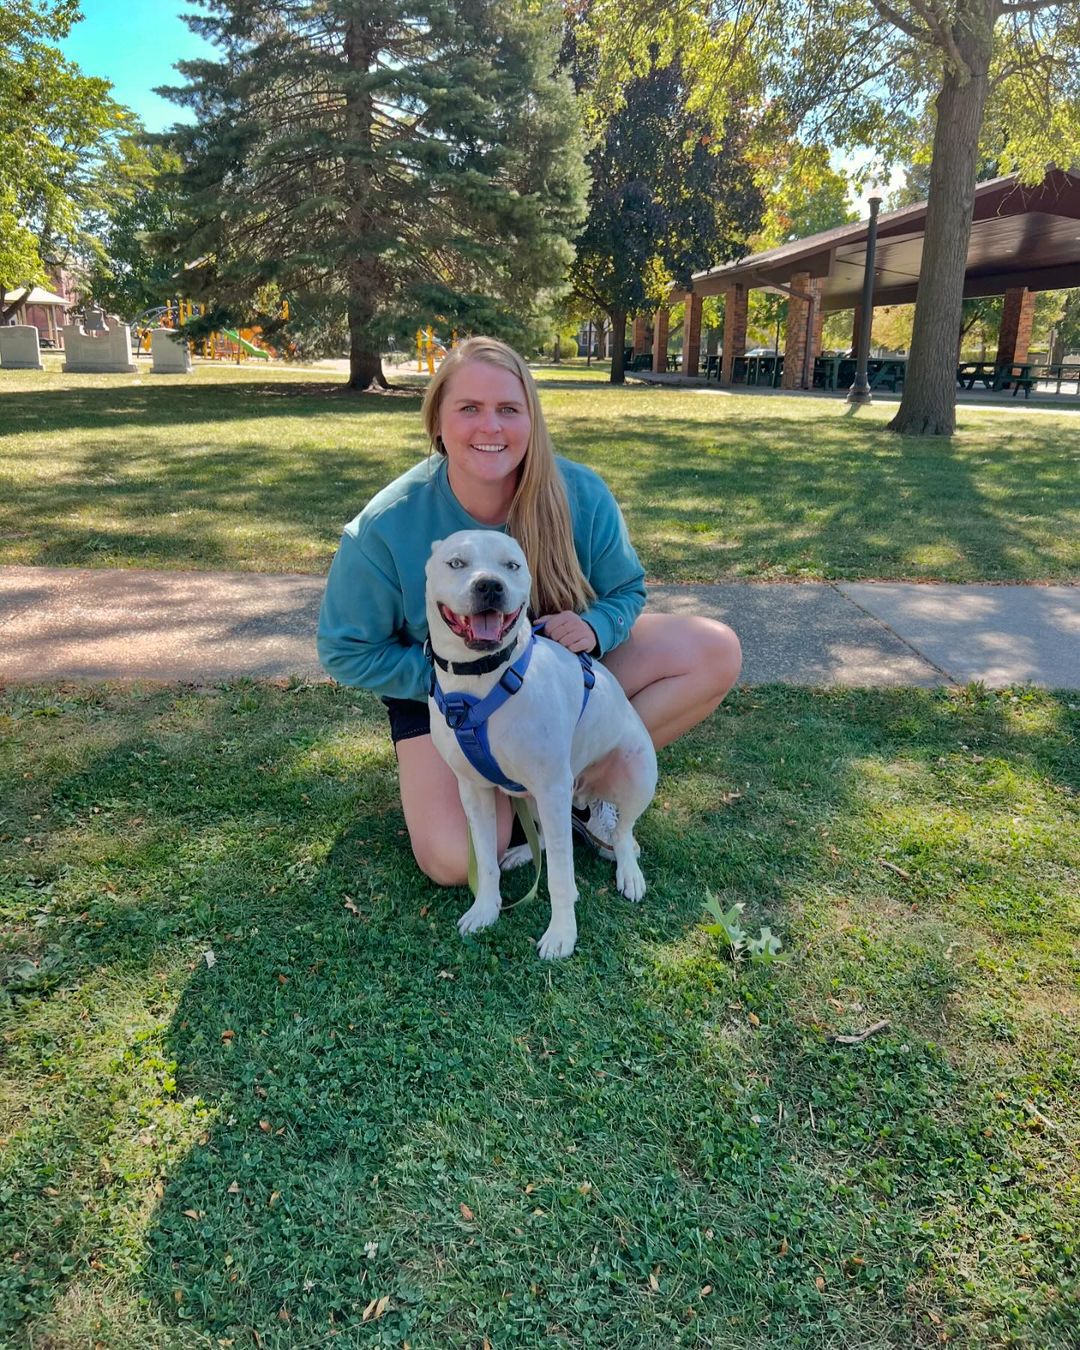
x=486, y=626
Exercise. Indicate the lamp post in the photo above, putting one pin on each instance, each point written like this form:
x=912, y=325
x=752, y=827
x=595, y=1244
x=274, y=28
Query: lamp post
x=860, y=390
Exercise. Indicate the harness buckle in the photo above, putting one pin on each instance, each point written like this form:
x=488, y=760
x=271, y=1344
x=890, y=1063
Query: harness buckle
x=511, y=680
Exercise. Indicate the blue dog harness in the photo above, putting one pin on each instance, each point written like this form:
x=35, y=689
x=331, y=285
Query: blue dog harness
x=467, y=715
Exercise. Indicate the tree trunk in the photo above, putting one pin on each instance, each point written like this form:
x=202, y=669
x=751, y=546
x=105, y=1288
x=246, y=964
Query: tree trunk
x=618, y=345
x=6, y=310
x=928, y=406
x=365, y=359
x=365, y=363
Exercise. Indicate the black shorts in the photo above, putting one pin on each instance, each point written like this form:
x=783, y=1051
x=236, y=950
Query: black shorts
x=408, y=718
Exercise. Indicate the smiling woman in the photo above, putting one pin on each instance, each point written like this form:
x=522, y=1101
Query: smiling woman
x=493, y=467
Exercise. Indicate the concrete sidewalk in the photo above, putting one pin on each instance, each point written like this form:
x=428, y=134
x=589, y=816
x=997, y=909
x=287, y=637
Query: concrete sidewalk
x=66, y=623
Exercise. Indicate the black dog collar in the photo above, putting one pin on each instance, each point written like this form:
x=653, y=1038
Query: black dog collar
x=481, y=666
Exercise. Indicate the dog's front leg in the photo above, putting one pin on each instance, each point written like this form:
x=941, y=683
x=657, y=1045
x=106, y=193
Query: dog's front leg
x=479, y=804
x=553, y=807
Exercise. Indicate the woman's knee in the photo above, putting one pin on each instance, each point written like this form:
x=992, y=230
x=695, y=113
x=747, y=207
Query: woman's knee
x=442, y=859
x=725, y=654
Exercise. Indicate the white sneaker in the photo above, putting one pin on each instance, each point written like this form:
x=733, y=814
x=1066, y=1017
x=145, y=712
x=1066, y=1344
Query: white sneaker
x=596, y=825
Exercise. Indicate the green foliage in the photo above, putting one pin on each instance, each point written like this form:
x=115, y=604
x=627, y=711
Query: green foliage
x=672, y=192
x=125, y=276
x=385, y=167
x=764, y=950
x=61, y=137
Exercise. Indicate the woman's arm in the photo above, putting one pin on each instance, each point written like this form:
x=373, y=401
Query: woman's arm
x=360, y=637
x=615, y=574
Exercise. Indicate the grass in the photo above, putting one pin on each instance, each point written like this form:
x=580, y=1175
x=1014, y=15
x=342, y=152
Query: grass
x=237, y=468
x=352, y=1111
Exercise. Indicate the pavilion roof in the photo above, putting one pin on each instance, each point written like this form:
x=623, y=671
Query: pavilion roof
x=40, y=296
x=1020, y=236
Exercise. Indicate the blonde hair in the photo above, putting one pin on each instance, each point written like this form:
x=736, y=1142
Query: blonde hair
x=539, y=516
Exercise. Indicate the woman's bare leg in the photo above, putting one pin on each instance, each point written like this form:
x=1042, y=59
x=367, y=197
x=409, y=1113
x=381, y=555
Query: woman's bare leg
x=676, y=669
x=434, y=815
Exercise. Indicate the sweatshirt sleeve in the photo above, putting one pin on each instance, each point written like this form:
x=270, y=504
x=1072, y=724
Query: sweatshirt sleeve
x=615, y=573
x=360, y=637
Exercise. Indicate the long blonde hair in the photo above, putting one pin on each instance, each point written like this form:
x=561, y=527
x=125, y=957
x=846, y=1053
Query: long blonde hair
x=539, y=516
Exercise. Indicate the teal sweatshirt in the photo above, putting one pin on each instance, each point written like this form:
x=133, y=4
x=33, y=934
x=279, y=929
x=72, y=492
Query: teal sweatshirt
x=372, y=626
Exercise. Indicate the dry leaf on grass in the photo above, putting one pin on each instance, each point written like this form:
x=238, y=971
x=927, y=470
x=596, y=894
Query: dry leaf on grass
x=466, y=1212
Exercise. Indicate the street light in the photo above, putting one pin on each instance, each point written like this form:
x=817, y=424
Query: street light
x=860, y=390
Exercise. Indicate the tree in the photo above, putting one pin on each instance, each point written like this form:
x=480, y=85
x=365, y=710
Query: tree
x=998, y=79
x=61, y=130
x=994, y=79
x=124, y=275
x=671, y=193
x=382, y=164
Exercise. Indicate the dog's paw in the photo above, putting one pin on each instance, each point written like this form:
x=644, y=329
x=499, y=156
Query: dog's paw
x=518, y=856
x=557, y=942
x=478, y=915
x=630, y=881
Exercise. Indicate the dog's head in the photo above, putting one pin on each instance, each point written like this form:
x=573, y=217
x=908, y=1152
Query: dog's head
x=478, y=588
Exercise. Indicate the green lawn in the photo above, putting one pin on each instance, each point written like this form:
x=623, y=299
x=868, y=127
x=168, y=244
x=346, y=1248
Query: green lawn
x=259, y=469
x=353, y=1110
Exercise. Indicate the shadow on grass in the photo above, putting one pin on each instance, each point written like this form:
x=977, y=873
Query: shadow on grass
x=367, y=1107
x=727, y=492
x=773, y=498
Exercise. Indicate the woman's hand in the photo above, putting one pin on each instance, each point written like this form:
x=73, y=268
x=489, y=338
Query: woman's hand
x=569, y=630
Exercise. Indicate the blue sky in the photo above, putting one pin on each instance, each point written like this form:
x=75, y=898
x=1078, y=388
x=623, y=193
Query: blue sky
x=135, y=44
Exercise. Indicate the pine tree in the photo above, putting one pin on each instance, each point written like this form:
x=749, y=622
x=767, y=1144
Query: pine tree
x=382, y=164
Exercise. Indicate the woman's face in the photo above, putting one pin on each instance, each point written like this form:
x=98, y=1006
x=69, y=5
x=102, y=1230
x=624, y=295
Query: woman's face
x=484, y=424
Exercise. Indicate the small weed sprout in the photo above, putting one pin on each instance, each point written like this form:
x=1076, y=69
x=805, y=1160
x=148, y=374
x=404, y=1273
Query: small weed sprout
x=763, y=950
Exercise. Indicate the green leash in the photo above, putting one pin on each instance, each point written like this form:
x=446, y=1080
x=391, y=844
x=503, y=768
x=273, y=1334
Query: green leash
x=524, y=815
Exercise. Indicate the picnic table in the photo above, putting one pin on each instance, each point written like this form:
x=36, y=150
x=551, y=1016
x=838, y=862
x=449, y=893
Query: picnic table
x=758, y=370
x=1062, y=373
x=838, y=372
x=997, y=375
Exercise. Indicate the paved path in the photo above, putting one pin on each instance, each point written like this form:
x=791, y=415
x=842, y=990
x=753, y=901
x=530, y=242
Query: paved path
x=66, y=623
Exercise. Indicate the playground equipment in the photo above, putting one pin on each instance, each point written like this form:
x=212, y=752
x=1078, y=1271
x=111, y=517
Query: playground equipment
x=226, y=345
x=428, y=347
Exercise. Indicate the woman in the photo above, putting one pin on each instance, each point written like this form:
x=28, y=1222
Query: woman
x=494, y=467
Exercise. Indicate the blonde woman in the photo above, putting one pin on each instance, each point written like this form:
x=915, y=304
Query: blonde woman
x=493, y=467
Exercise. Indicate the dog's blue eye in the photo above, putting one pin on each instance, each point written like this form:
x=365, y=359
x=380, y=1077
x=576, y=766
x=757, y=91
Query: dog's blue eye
x=513, y=566
x=456, y=562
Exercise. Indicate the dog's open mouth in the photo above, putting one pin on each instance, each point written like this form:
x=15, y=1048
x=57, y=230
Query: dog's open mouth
x=483, y=630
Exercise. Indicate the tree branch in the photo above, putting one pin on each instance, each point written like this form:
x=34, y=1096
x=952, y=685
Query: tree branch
x=899, y=21
x=945, y=40
x=1026, y=6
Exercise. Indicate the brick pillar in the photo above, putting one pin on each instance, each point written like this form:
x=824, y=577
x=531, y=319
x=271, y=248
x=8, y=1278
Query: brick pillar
x=818, y=325
x=734, y=329
x=1016, y=320
x=796, y=335
x=641, y=334
x=691, y=345
x=660, y=338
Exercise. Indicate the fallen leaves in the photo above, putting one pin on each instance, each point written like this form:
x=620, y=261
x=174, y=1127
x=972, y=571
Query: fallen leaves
x=351, y=905
x=375, y=1309
x=466, y=1212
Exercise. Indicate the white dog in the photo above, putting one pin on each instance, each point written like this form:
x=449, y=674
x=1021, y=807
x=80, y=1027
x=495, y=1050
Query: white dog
x=535, y=733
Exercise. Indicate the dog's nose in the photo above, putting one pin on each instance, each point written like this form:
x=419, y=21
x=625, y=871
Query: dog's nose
x=489, y=592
